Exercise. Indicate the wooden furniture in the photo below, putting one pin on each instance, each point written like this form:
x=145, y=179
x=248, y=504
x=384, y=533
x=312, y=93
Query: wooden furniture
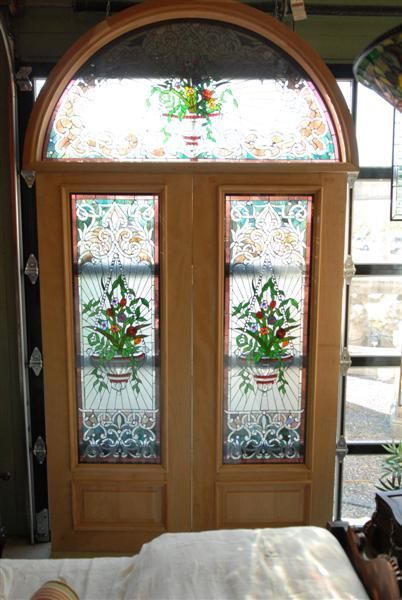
x=377, y=573
x=384, y=530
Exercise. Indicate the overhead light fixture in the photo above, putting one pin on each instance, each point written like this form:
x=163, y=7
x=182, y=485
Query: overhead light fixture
x=379, y=67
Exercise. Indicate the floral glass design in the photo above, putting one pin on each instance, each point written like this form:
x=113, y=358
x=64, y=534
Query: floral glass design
x=151, y=121
x=115, y=250
x=266, y=314
x=191, y=91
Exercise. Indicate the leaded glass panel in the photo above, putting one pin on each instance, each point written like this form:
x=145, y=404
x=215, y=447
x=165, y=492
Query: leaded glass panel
x=115, y=253
x=191, y=90
x=266, y=310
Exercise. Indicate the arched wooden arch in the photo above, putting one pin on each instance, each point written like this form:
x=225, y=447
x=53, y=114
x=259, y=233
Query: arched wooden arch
x=152, y=11
x=101, y=507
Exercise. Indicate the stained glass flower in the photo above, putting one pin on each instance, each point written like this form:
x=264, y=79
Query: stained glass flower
x=257, y=342
x=109, y=339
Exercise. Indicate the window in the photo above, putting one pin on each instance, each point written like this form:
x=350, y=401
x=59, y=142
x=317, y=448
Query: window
x=371, y=408
x=239, y=98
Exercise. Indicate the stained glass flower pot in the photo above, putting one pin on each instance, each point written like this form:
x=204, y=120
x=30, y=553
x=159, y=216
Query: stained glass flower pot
x=118, y=370
x=265, y=371
x=194, y=130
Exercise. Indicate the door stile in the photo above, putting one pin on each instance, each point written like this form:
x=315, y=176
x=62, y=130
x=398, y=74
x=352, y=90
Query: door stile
x=329, y=281
x=177, y=342
x=208, y=346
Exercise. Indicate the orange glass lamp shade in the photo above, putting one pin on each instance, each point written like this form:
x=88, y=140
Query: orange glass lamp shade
x=379, y=67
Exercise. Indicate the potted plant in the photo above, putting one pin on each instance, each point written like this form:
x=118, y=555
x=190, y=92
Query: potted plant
x=190, y=100
x=264, y=341
x=116, y=336
x=391, y=475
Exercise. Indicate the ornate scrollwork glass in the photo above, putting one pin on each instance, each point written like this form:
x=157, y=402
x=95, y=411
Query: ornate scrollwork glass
x=266, y=324
x=115, y=249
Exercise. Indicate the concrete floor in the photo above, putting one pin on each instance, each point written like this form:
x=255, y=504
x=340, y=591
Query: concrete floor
x=17, y=547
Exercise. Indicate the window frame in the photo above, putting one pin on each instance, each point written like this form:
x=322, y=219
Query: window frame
x=350, y=447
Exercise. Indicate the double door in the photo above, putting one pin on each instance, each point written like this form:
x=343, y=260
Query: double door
x=168, y=300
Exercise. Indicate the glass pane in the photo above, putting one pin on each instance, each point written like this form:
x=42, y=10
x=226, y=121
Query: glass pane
x=397, y=168
x=38, y=84
x=191, y=91
x=115, y=250
x=266, y=312
x=375, y=316
x=374, y=129
x=375, y=238
x=346, y=87
x=371, y=404
x=360, y=476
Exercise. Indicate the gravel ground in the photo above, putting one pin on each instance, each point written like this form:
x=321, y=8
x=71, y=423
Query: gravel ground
x=361, y=473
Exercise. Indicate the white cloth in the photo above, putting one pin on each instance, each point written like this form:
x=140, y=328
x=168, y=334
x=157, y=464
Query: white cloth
x=303, y=563
x=298, y=563
x=90, y=578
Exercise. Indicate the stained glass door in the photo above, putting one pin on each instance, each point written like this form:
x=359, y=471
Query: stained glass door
x=267, y=294
x=116, y=302
x=190, y=352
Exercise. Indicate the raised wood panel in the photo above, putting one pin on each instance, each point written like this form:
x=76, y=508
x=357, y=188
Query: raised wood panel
x=115, y=505
x=262, y=505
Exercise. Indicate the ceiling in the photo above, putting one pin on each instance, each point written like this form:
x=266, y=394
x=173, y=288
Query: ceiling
x=390, y=8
